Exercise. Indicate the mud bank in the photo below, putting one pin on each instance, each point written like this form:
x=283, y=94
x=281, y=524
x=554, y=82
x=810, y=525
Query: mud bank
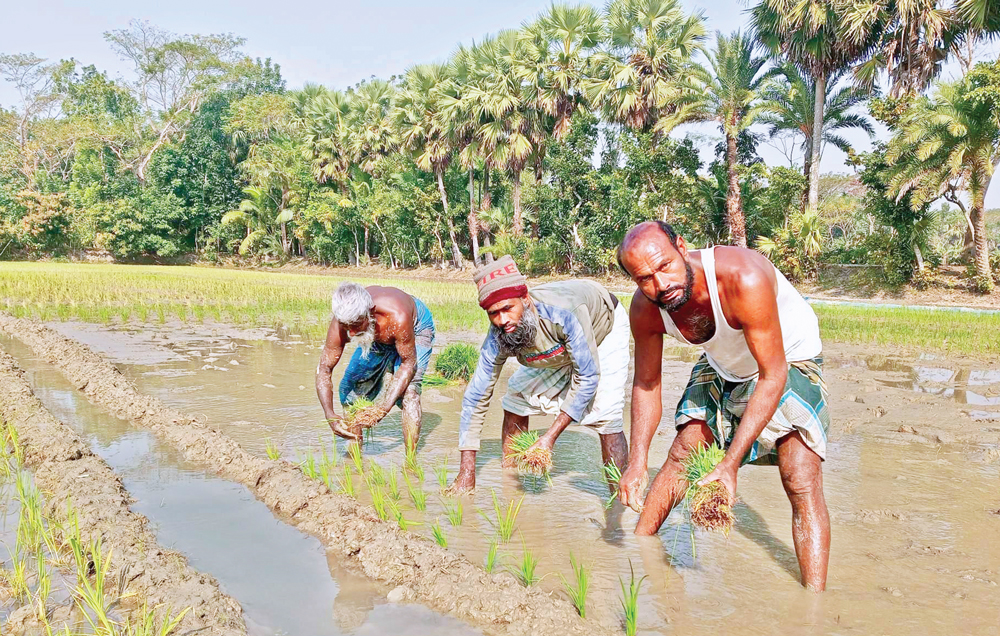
x=419, y=570
x=68, y=472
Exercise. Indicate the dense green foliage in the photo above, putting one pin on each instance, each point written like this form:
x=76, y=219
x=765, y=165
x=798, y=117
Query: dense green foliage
x=457, y=361
x=547, y=142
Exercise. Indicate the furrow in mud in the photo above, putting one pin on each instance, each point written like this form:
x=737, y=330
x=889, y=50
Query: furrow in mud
x=427, y=573
x=67, y=471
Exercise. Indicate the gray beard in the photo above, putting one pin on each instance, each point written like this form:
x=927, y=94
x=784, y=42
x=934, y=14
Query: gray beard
x=523, y=337
x=367, y=339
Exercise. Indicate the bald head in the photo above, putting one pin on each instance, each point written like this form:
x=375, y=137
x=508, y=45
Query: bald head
x=657, y=260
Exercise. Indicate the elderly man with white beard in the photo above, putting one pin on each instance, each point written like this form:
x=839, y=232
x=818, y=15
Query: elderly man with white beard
x=572, y=340
x=395, y=332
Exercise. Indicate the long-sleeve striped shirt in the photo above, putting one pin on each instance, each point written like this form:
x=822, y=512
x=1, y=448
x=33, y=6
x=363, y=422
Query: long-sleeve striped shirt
x=574, y=317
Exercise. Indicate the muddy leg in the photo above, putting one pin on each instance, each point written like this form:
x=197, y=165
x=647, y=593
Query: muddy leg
x=802, y=476
x=614, y=448
x=411, y=419
x=668, y=488
x=512, y=425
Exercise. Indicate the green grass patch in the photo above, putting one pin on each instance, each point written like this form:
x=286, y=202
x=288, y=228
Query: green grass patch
x=457, y=362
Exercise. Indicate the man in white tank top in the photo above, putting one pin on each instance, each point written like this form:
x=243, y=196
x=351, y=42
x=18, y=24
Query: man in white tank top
x=757, y=391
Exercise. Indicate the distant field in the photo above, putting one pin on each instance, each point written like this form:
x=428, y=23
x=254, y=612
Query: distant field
x=104, y=293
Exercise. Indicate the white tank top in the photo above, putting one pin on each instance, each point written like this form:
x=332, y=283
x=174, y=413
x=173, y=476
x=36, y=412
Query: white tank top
x=727, y=350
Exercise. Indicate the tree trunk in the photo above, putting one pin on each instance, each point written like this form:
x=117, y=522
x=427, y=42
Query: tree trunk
x=817, y=142
x=807, y=172
x=977, y=189
x=285, y=246
x=456, y=255
x=473, y=220
x=489, y=255
x=734, y=197
x=368, y=255
x=518, y=228
x=920, y=257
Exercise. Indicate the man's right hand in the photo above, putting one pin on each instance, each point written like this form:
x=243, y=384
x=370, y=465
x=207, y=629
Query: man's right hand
x=339, y=427
x=632, y=487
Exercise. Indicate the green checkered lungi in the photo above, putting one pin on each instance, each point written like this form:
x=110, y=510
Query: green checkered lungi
x=721, y=404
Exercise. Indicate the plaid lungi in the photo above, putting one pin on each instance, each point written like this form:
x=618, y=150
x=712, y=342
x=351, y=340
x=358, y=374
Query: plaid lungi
x=721, y=404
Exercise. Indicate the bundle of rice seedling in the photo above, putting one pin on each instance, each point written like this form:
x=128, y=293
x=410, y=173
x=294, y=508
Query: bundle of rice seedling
x=534, y=461
x=709, y=504
x=363, y=414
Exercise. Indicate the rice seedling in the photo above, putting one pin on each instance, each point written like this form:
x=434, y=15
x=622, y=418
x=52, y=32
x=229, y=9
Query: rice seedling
x=346, y=482
x=439, y=536
x=308, y=466
x=17, y=577
x=91, y=595
x=709, y=505
x=354, y=450
x=272, y=450
x=401, y=520
x=326, y=474
x=630, y=601
x=376, y=473
x=379, y=501
x=43, y=584
x=524, y=569
x=363, y=414
x=505, y=517
x=412, y=464
x=392, y=483
x=147, y=625
x=417, y=494
x=532, y=461
x=453, y=511
x=442, y=475
x=457, y=362
x=612, y=476
x=491, y=556
x=577, y=591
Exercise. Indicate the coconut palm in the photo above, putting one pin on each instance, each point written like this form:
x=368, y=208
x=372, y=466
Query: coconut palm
x=951, y=137
x=729, y=93
x=790, y=99
x=810, y=34
x=429, y=138
x=636, y=80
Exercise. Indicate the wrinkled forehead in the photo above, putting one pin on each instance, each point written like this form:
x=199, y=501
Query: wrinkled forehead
x=647, y=252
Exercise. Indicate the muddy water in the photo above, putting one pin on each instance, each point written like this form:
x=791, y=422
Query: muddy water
x=284, y=579
x=911, y=482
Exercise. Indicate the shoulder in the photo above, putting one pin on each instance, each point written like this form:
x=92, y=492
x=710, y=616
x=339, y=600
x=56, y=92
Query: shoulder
x=744, y=273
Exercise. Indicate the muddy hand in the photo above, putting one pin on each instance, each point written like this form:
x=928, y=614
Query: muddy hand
x=632, y=486
x=544, y=442
x=724, y=475
x=339, y=428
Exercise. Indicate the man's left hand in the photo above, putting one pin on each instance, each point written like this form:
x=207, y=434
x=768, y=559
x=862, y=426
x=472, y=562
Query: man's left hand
x=724, y=473
x=546, y=442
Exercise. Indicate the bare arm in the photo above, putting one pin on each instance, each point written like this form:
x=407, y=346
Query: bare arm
x=333, y=349
x=647, y=407
x=406, y=347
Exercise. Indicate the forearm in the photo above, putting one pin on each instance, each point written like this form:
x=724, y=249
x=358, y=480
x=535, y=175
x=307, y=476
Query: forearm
x=400, y=381
x=646, y=412
x=324, y=389
x=760, y=409
x=558, y=426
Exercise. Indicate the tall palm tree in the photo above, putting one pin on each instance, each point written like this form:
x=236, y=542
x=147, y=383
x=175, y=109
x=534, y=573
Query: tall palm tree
x=428, y=137
x=981, y=15
x=327, y=117
x=636, y=79
x=811, y=35
x=790, y=98
x=729, y=94
x=951, y=137
x=372, y=135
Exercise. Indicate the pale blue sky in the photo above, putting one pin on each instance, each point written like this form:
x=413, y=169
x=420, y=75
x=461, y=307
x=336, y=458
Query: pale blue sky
x=328, y=42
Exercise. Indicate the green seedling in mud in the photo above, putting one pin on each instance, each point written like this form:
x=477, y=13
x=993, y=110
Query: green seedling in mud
x=91, y=596
x=402, y=521
x=147, y=625
x=16, y=577
x=528, y=460
x=506, y=518
x=442, y=475
x=346, y=482
x=43, y=585
x=271, y=450
x=577, y=592
x=308, y=466
x=630, y=601
x=326, y=475
x=439, y=536
x=411, y=464
x=453, y=511
x=417, y=494
x=379, y=501
x=354, y=450
x=491, y=555
x=709, y=505
x=376, y=473
x=613, y=476
x=392, y=483
x=524, y=569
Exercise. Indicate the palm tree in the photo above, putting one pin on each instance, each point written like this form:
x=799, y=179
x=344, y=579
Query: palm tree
x=636, y=80
x=791, y=108
x=326, y=117
x=255, y=214
x=952, y=137
x=730, y=95
x=981, y=15
x=372, y=135
x=810, y=34
x=428, y=137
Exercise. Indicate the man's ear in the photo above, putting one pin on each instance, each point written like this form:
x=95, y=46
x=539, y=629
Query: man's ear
x=682, y=247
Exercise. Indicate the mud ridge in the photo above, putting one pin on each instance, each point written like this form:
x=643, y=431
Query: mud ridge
x=67, y=471
x=425, y=572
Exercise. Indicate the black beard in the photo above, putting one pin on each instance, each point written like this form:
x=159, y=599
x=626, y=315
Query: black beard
x=523, y=336
x=686, y=296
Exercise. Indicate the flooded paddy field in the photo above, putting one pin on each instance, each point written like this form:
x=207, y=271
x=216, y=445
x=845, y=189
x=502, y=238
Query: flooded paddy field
x=912, y=482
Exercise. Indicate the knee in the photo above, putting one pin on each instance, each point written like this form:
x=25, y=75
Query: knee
x=683, y=446
x=801, y=481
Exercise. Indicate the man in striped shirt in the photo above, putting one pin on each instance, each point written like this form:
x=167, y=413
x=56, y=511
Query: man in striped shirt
x=572, y=340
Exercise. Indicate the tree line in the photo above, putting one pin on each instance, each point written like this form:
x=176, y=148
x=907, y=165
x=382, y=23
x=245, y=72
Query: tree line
x=547, y=141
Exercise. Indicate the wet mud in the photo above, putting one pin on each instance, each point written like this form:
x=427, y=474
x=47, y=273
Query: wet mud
x=67, y=471
x=414, y=568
